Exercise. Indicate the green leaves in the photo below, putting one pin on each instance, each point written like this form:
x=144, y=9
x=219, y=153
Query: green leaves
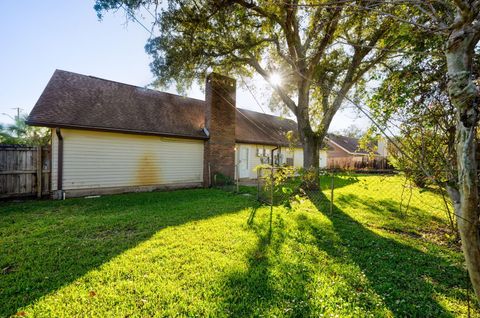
x=22, y=134
x=317, y=46
x=287, y=190
x=323, y=51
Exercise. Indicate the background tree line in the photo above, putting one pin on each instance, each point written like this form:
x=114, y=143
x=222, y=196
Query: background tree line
x=19, y=133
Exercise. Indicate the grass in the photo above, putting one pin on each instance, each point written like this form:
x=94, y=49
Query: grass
x=213, y=253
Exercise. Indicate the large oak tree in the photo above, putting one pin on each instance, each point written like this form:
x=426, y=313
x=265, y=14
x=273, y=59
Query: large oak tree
x=322, y=49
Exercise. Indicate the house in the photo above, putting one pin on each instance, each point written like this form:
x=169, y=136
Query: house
x=110, y=137
x=346, y=153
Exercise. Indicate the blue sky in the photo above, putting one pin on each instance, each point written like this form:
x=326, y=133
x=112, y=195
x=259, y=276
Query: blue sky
x=38, y=37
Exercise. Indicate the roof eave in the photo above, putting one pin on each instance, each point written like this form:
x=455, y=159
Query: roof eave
x=260, y=142
x=109, y=129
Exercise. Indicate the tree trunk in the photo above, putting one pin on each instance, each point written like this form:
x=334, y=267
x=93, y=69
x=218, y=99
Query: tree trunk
x=311, y=158
x=309, y=139
x=311, y=175
x=464, y=192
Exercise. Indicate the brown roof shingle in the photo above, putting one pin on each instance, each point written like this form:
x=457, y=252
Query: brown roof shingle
x=75, y=100
x=350, y=144
x=80, y=101
x=257, y=128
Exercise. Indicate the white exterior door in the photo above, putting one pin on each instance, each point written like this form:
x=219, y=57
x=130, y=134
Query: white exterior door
x=243, y=171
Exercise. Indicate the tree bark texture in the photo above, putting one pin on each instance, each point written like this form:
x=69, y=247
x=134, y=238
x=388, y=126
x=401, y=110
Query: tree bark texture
x=464, y=192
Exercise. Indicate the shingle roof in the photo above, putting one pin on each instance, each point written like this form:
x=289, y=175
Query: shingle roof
x=75, y=100
x=348, y=143
x=258, y=128
x=80, y=101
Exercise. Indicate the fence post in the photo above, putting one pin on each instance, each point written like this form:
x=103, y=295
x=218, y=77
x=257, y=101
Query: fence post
x=209, y=176
x=237, y=178
x=39, y=171
x=332, y=186
x=271, y=189
x=259, y=174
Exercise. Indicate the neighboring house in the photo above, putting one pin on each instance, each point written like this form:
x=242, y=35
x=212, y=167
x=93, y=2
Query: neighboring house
x=110, y=137
x=346, y=153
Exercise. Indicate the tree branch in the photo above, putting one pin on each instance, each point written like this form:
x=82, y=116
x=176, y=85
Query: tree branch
x=315, y=30
x=290, y=27
x=284, y=96
x=259, y=10
x=329, y=31
x=463, y=6
x=281, y=54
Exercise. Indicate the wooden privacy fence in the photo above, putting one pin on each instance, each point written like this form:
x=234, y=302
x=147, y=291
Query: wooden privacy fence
x=24, y=171
x=358, y=163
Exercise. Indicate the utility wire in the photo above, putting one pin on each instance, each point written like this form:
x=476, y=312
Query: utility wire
x=228, y=102
x=251, y=93
x=245, y=116
x=131, y=15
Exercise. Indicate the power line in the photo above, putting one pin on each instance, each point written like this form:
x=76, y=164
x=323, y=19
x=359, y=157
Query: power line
x=18, y=109
x=228, y=102
x=251, y=93
x=254, y=97
x=131, y=15
x=245, y=116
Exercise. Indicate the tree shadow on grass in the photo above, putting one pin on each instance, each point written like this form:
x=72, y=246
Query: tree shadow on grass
x=339, y=180
x=409, y=280
x=411, y=220
x=45, y=245
x=270, y=285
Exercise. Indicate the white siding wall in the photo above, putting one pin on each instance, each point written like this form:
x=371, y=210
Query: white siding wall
x=323, y=159
x=382, y=147
x=253, y=159
x=298, y=158
x=296, y=153
x=100, y=159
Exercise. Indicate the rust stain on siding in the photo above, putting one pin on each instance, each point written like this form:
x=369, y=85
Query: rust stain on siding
x=147, y=171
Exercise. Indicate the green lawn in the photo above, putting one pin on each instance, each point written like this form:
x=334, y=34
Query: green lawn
x=213, y=253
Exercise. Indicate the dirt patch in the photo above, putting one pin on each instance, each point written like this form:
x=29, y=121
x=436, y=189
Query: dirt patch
x=8, y=269
x=442, y=236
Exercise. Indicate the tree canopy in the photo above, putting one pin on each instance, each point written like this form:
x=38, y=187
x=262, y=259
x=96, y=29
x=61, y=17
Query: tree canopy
x=322, y=50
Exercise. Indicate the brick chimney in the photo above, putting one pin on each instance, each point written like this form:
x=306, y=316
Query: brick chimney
x=220, y=111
